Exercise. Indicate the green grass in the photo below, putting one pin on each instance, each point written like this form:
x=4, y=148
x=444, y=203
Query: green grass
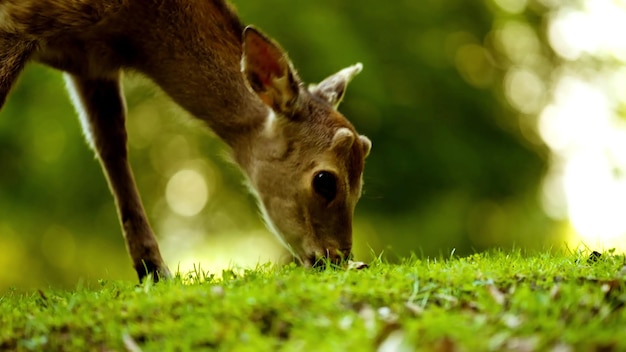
x=495, y=301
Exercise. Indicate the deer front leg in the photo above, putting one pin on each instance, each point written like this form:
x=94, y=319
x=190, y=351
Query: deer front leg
x=102, y=112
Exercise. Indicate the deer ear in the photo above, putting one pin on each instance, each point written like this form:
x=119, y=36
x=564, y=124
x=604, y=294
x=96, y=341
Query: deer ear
x=268, y=71
x=333, y=88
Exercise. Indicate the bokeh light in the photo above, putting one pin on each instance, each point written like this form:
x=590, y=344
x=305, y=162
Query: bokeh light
x=596, y=28
x=213, y=253
x=582, y=124
x=512, y=6
x=187, y=192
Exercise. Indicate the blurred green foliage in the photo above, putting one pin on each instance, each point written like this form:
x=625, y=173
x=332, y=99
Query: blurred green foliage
x=451, y=167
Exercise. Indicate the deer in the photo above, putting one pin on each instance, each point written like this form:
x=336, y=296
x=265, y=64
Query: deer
x=302, y=158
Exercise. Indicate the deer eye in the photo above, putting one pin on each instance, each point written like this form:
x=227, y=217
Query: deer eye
x=325, y=184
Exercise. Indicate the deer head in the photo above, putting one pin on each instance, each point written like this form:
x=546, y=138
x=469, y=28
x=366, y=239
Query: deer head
x=306, y=162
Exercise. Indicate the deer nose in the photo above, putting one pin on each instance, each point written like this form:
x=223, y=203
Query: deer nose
x=345, y=254
x=333, y=256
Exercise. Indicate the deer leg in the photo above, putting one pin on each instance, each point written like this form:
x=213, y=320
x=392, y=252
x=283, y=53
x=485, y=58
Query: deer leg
x=102, y=112
x=13, y=55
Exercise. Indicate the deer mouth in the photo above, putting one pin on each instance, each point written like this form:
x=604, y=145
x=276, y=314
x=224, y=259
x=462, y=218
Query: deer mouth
x=329, y=258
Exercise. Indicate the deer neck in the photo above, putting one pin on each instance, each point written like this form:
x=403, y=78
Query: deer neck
x=201, y=71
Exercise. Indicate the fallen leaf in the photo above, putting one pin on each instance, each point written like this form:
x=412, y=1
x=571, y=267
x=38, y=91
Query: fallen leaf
x=496, y=294
x=555, y=292
x=414, y=308
x=217, y=291
x=352, y=265
x=511, y=321
x=386, y=314
x=369, y=317
x=130, y=344
x=440, y=297
x=392, y=339
x=562, y=347
x=526, y=344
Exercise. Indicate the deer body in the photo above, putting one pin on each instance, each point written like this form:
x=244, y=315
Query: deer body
x=303, y=159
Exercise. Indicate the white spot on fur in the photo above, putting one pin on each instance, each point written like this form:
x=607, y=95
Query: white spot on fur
x=80, y=109
x=268, y=221
x=270, y=122
x=242, y=66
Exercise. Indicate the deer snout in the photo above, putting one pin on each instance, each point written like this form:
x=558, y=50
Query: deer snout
x=333, y=256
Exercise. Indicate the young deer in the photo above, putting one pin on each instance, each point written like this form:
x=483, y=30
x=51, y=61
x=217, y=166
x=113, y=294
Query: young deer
x=303, y=159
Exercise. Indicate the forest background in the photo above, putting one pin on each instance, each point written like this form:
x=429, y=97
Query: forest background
x=495, y=123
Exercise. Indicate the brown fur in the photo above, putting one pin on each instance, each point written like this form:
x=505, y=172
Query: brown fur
x=193, y=50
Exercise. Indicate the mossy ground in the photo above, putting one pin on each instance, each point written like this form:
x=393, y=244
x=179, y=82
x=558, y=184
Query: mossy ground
x=491, y=301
